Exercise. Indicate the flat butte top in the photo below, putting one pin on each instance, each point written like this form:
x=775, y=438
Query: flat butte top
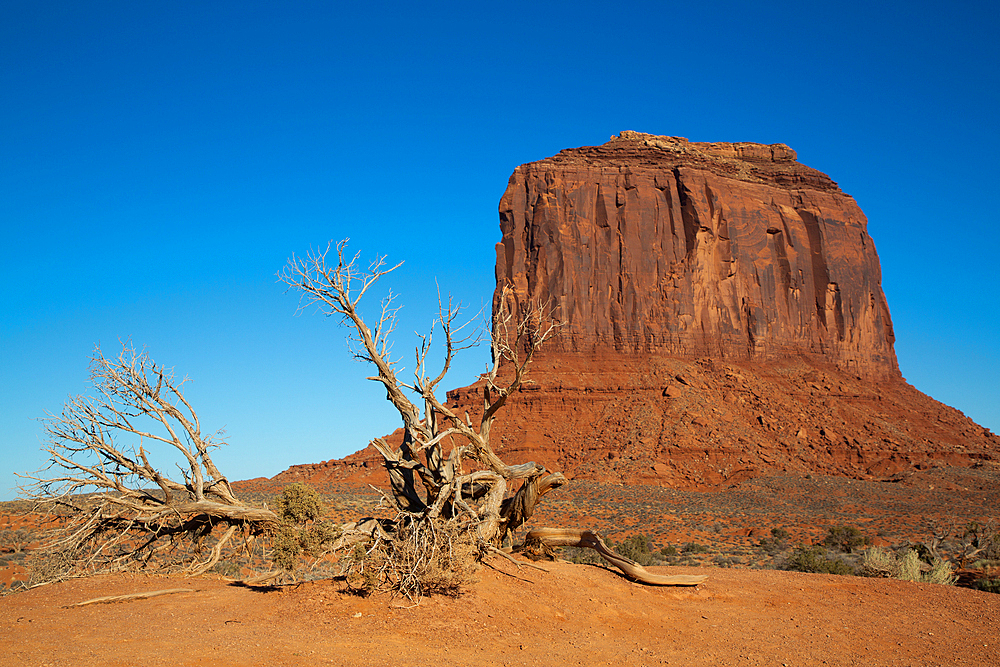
x=773, y=164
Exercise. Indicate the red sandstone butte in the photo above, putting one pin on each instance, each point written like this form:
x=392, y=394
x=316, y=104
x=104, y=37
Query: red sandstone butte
x=653, y=244
x=723, y=319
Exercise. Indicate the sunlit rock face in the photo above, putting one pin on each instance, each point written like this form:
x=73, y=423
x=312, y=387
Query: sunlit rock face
x=651, y=244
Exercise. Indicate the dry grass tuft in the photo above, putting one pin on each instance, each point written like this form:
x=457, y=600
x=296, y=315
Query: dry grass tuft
x=879, y=562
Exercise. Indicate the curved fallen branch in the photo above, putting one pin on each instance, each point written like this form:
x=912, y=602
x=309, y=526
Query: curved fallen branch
x=132, y=596
x=571, y=537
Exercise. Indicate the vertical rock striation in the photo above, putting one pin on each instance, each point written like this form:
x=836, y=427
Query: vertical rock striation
x=654, y=244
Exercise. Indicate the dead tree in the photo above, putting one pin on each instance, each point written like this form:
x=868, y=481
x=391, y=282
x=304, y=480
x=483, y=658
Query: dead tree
x=427, y=481
x=468, y=484
x=123, y=510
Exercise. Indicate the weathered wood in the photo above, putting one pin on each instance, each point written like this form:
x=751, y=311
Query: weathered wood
x=117, y=520
x=518, y=508
x=571, y=537
x=109, y=599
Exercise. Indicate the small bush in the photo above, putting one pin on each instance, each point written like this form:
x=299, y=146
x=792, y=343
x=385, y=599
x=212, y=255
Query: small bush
x=669, y=551
x=298, y=506
x=638, y=548
x=877, y=562
x=845, y=538
x=909, y=566
x=299, y=503
x=727, y=561
x=227, y=568
x=776, y=543
x=695, y=548
x=286, y=549
x=987, y=585
x=317, y=538
x=779, y=534
x=581, y=555
x=815, y=559
x=941, y=572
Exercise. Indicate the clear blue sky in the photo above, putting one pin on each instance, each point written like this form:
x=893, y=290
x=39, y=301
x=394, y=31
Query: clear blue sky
x=159, y=162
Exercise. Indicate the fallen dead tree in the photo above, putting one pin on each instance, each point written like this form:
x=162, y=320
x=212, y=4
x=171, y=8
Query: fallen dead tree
x=449, y=489
x=118, y=509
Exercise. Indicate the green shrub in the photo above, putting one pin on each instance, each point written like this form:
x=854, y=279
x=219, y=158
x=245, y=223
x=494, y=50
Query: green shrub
x=776, y=543
x=941, y=572
x=845, y=538
x=298, y=506
x=299, y=503
x=815, y=559
x=695, y=548
x=317, y=538
x=638, y=548
x=779, y=534
x=286, y=549
x=727, y=561
x=669, y=551
x=227, y=568
x=878, y=562
x=987, y=585
x=909, y=566
x=581, y=555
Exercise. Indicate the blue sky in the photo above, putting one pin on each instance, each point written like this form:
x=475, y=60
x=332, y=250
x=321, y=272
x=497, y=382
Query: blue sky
x=159, y=163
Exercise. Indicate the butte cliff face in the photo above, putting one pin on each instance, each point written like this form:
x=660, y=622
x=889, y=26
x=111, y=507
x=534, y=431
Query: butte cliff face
x=660, y=245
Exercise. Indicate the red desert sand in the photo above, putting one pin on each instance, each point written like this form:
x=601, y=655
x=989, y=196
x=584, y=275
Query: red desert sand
x=569, y=615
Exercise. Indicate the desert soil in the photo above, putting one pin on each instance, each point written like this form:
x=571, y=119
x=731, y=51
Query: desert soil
x=569, y=615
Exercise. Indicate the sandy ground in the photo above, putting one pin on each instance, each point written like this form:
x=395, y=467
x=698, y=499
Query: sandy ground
x=570, y=615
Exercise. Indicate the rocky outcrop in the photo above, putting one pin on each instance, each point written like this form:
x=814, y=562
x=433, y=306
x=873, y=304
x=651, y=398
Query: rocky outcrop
x=731, y=250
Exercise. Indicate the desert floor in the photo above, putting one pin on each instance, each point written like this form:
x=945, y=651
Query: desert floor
x=568, y=615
